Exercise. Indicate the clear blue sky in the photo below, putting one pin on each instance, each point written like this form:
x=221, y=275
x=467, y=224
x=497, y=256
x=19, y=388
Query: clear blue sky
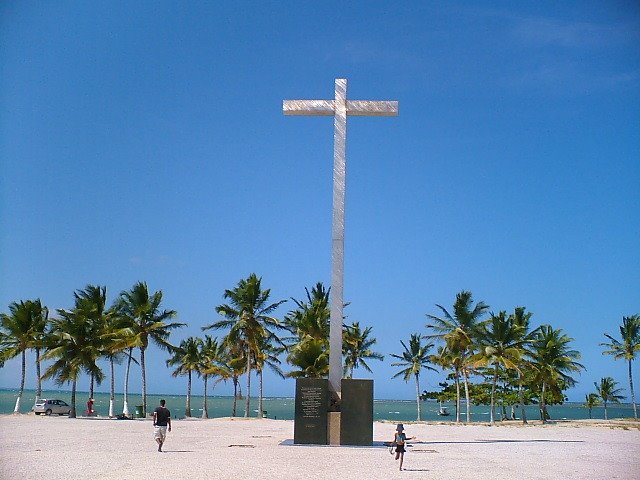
x=146, y=141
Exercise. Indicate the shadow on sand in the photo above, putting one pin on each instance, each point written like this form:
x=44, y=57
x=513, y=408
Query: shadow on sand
x=497, y=441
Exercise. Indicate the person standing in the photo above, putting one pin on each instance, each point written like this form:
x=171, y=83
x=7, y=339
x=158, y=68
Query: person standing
x=161, y=423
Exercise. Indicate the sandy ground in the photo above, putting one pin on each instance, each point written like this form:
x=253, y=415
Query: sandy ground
x=51, y=448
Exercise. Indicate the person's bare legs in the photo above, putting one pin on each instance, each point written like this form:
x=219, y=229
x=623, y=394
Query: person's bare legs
x=401, y=459
x=160, y=442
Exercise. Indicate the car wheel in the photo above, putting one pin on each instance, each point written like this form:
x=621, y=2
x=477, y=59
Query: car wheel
x=48, y=412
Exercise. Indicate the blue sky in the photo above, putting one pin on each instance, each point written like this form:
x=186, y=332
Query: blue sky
x=146, y=141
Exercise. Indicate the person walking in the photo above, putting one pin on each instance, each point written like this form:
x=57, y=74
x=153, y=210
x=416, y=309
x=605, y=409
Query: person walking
x=399, y=440
x=161, y=423
x=90, y=407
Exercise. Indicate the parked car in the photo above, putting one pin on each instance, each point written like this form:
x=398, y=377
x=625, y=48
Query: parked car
x=48, y=406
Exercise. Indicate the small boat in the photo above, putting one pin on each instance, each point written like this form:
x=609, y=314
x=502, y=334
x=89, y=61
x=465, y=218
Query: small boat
x=443, y=412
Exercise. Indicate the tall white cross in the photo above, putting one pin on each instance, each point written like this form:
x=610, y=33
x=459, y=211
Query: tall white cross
x=339, y=108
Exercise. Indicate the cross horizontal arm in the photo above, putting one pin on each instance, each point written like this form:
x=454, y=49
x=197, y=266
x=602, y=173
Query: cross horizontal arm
x=372, y=108
x=308, y=107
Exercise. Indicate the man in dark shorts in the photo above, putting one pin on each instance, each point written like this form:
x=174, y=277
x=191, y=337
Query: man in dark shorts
x=161, y=423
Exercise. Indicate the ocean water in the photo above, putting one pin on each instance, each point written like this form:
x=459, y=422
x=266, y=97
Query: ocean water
x=283, y=408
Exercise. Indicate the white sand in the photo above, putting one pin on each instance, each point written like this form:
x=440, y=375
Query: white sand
x=51, y=448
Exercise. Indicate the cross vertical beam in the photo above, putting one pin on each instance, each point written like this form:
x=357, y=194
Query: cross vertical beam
x=337, y=234
x=340, y=108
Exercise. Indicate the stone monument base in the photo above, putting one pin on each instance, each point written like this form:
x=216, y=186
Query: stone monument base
x=312, y=398
x=333, y=428
x=356, y=408
x=322, y=420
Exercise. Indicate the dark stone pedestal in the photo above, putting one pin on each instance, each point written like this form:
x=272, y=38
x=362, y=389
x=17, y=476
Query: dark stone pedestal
x=356, y=408
x=350, y=424
x=312, y=401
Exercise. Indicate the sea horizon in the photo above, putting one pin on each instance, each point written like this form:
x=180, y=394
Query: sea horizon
x=283, y=408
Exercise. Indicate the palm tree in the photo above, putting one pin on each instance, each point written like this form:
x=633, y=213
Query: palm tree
x=22, y=329
x=147, y=323
x=91, y=302
x=458, y=332
x=118, y=341
x=211, y=365
x=608, y=392
x=3, y=339
x=124, y=340
x=235, y=359
x=553, y=360
x=40, y=315
x=445, y=358
x=521, y=318
x=590, y=401
x=186, y=357
x=310, y=357
x=308, y=349
x=125, y=404
x=71, y=343
x=114, y=355
x=626, y=349
x=414, y=358
x=247, y=315
x=268, y=351
x=356, y=347
x=500, y=344
x=310, y=318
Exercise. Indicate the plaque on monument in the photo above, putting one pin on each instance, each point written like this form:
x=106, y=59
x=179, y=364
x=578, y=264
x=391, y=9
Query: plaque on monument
x=312, y=400
x=356, y=422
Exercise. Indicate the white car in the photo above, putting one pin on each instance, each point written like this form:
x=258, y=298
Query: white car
x=48, y=407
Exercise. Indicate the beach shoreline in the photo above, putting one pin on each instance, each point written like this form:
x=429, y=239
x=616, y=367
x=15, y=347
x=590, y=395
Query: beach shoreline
x=283, y=407
x=36, y=447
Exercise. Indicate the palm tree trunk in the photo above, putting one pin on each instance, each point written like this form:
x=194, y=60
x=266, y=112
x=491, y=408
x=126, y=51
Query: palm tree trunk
x=24, y=371
x=590, y=417
x=187, y=410
x=457, y=397
x=235, y=395
x=248, y=399
x=125, y=408
x=112, y=389
x=521, y=399
x=503, y=406
x=418, y=397
x=605, y=410
x=205, y=411
x=144, y=382
x=72, y=413
x=493, y=396
x=465, y=375
x=91, y=386
x=38, y=379
x=633, y=395
x=543, y=417
x=260, y=398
